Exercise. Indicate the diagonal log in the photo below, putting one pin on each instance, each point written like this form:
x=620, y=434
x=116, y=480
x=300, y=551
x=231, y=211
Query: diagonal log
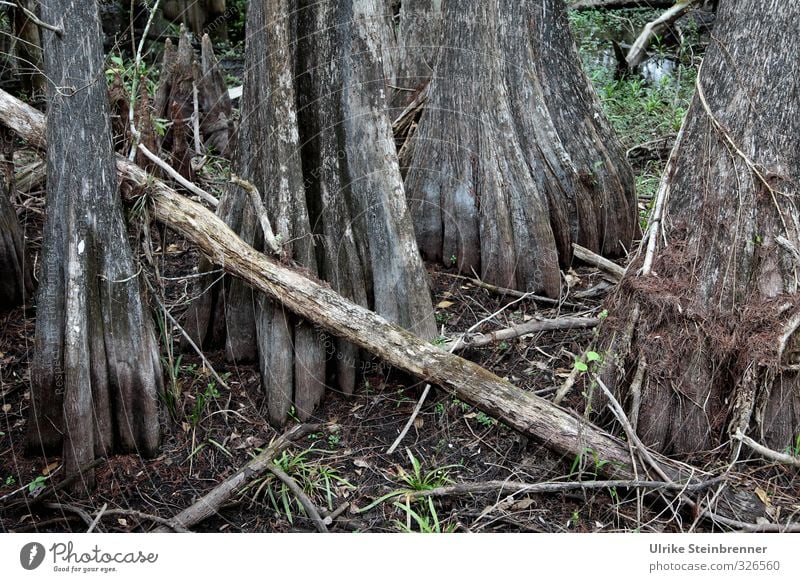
x=557, y=428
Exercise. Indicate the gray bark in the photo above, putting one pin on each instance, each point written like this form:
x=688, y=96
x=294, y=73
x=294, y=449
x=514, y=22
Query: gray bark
x=16, y=283
x=719, y=310
x=315, y=141
x=513, y=160
x=418, y=39
x=95, y=373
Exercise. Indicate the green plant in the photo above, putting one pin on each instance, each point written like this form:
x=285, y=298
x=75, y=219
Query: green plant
x=580, y=463
x=453, y=260
x=439, y=341
x=334, y=440
x=10, y=480
x=426, y=519
x=37, y=484
x=582, y=364
x=439, y=409
x=317, y=480
x=461, y=404
x=419, y=480
x=201, y=401
x=485, y=420
x=442, y=317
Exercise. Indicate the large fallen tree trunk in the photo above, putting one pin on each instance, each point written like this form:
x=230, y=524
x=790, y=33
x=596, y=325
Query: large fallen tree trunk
x=557, y=428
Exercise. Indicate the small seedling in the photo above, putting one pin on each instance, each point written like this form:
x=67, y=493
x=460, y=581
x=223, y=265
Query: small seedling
x=485, y=420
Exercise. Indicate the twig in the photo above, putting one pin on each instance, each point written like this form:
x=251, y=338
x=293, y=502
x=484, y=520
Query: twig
x=135, y=134
x=483, y=339
x=147, y=516
x=97, y=518
x=200, y=353
x=750, y=164
x=506, y=291
x=173, y=173
x=307, y=504
x=427, y=389
x=636, y=392
x=33, y=18
x=596, y=260
x=766, y=452
x=258, y=205
x=210, y=503
x=515, y=487
x=198, y=143
x=80, y=512
x=331, y=516
x=565, y=388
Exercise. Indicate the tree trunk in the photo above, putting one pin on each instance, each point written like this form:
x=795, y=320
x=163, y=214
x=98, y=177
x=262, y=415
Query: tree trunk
x=719, y=301
x=317, y=80
x=16, y=283
x=513, y=161
x=28, y=50
x=418, y=38
x=95, y=373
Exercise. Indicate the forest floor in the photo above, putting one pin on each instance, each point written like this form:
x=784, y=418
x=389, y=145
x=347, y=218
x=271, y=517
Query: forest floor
x=212, y=430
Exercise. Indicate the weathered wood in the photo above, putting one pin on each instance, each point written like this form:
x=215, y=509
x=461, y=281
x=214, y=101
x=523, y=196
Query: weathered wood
x=215, y=103
x=95, y=373
x=513, y=160
x=339, y=205
x=717, y=289
x=211, y=502
x=596, y=260
x=559, y=429
x=638, y=50
x=418, y=37
x=16, y=283
x=484, y=339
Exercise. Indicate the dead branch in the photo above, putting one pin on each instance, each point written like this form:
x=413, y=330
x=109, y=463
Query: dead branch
x=563, y=431
x=504, y=291
x=258, y=205
x=175, y=175
x=638, y=50
x=33, y=18
x=210, y=503
x=516, y=487
x=596, y=260
x=307, y=504
x=766, y=452
x=484, y=339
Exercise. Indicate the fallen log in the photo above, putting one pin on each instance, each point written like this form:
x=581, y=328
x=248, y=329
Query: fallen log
x=484, y=339
x=561, y=430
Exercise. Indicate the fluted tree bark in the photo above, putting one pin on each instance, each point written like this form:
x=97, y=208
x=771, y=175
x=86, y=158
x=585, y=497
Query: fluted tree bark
x=316, y=143
x=513, y=160
x=16, y=282
x=709, y=312
x=95, y=373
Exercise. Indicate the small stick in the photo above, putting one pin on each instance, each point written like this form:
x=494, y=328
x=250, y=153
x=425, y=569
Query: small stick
x=636, y=54
x=193, y=188
x=506, y=291
x=207, y=505
x=255, y=197
x=307, y=504
x=33, y=18
x=137, y=136
x=515, y=487
x=198, y=143
x=97, y=518
x=427, y=389
x=636, y=391
x=484, y=339
x=71, y=508
x=200, y=353
x=147, y=516
x=596, y=260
